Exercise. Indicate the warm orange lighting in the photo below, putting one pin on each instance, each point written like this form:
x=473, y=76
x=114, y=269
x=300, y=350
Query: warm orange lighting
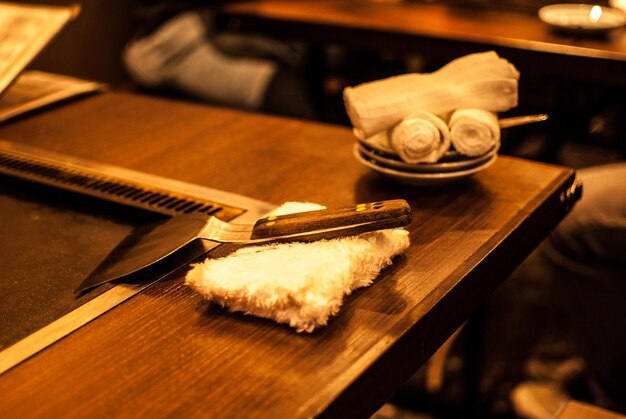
x=595, y=13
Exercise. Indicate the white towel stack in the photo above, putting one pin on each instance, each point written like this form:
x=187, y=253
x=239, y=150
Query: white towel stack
x=300, y=284
x=482, y=81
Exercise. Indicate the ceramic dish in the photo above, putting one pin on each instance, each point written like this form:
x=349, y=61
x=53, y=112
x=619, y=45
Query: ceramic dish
x=443, y=166
x=582, y=17
x=421, y=179
x=380, y=144
x=384, y=150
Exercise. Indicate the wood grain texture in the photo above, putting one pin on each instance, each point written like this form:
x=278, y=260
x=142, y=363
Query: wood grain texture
x=371, y=216
x=437, y=30
x=166, y=352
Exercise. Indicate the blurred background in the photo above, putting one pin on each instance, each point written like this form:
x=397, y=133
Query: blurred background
x=91, y=48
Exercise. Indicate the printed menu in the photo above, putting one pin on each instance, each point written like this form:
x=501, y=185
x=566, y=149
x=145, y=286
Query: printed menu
x=25, y=29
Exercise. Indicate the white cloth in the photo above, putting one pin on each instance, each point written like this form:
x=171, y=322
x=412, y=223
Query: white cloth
x=482, y=80
x=300, y=284
x=474, y=131
x=421, y=138
x=179, y=55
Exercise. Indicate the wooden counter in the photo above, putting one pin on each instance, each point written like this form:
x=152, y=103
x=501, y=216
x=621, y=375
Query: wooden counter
x=166, y=352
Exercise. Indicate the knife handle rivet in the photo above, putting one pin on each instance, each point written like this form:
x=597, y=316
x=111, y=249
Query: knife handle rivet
x=271, y=223
x=361, y=207
x=272, y=218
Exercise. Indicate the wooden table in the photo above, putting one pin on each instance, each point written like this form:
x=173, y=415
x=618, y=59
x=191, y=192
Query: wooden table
x=166, y=353
x=437, y=30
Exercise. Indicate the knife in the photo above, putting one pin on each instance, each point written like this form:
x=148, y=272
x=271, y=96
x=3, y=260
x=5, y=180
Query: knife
x=150, y=244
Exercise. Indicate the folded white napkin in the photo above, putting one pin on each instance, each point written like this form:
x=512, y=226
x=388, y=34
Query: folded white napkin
x=474, y=131
x=300, y=284
x=421, y=138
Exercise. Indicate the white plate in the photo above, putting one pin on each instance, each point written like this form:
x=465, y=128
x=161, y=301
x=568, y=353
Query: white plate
x=386, y=151
x=582, y=17
x=421, y=179
x=380, y=144
x=385, y=160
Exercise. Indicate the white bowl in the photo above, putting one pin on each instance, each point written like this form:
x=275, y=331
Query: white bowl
x=582, y=17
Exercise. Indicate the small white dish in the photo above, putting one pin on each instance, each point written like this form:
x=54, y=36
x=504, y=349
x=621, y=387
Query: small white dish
x=421, y=179
x=451, y=165
x=380, y=143
x=575, y=17
x=384, y=150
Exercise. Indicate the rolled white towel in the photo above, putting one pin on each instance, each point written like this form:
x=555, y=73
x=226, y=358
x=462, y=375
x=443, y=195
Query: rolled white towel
x=421, y=138
x=474, y=131
x=300, y=284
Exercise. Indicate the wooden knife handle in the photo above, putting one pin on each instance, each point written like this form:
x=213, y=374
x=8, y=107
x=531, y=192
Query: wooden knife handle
x=358, y=219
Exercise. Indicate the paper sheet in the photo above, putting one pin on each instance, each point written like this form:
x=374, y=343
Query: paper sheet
x=36, y=89
x=24, y=31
